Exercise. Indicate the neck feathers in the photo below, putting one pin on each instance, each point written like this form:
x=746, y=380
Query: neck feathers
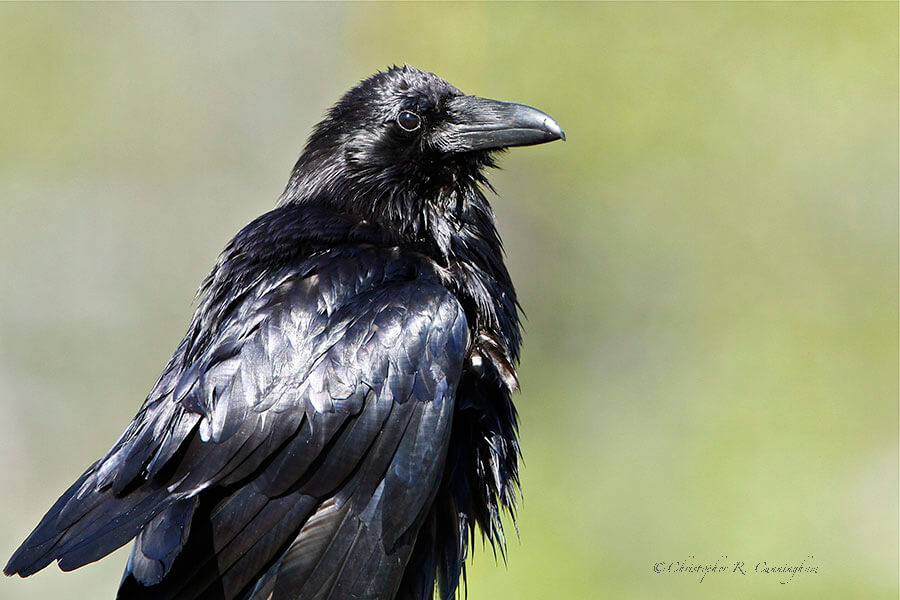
x=448, y=219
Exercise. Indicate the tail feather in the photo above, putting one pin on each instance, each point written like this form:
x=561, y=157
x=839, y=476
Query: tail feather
x=160, y=542
x=220, y=560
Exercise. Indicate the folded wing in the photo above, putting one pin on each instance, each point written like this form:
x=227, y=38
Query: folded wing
x=309, y=435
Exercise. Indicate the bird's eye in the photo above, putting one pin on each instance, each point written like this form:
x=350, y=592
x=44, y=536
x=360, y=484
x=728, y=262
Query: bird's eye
x=409, y=121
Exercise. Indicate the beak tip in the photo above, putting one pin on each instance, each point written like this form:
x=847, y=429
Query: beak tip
x=553, y=128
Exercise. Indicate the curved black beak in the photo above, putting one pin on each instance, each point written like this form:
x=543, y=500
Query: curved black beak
x=482, y=124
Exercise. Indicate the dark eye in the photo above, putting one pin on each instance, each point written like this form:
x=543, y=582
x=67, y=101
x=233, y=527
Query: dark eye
x=409, y=121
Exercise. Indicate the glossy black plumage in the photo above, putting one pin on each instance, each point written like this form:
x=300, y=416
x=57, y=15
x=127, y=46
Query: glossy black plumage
x=337, y=421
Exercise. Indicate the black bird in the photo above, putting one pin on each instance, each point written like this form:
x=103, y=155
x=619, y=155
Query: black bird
x=337, y=421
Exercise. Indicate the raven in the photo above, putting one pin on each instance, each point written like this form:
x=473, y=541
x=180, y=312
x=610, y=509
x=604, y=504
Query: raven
x=337, y=421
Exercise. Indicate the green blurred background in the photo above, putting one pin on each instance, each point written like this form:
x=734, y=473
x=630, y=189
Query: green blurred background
x=709, y=264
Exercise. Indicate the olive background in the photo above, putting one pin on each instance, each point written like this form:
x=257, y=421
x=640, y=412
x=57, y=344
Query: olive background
x=709, y=264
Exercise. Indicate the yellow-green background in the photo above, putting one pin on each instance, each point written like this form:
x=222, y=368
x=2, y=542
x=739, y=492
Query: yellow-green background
x=709, y=264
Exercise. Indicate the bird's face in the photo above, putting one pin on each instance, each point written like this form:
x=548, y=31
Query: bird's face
x=407, y=124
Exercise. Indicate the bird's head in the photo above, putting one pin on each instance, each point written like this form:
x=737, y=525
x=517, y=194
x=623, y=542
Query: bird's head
x=406, y=134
